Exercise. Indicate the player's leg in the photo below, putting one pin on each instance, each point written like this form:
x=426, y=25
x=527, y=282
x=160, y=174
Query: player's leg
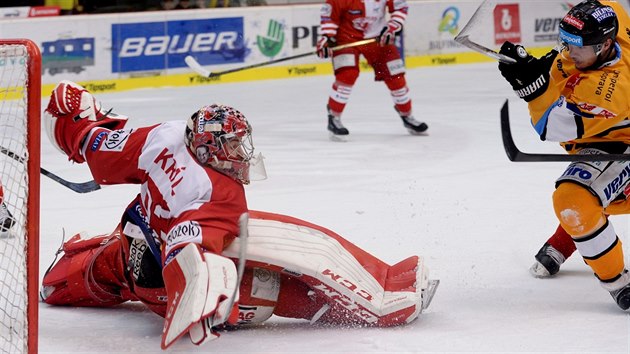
x=582, y=194
x=90, y=272
x=390, y=68
x=558, y=248
x=353, y=284
x=346, y=66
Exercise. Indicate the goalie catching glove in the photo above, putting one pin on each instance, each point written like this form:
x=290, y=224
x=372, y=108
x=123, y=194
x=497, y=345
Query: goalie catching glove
x=70, y=115
x=202, y=293
x=529, y=76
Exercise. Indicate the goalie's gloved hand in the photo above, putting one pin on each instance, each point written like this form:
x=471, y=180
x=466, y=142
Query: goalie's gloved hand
x=529, y=76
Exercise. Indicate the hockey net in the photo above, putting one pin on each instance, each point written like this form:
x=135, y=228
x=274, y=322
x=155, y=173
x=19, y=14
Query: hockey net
x=20, y=102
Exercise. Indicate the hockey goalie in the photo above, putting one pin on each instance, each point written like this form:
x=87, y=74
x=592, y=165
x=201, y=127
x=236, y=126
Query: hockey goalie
x=184, y=246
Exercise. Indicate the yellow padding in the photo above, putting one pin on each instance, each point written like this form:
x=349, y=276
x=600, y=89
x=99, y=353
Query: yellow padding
x=578, y=210
x=318, y=67
x=608, y=265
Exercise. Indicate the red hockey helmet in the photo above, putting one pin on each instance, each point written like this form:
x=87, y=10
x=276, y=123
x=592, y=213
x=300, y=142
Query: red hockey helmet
x=220, y=136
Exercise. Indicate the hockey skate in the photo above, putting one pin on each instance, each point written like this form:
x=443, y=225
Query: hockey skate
x=620, y=294
x=548, y=261
x=336, y=130
x=6, y=219
x=414, y=126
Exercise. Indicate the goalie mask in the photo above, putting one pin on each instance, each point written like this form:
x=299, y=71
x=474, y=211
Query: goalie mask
x=221, y=137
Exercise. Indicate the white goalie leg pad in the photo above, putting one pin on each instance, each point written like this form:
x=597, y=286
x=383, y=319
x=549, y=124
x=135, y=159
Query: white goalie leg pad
x=305, y=252
x=197, y=285
x=410, y=293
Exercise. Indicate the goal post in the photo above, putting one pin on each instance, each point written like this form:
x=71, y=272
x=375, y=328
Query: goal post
x=20, y=110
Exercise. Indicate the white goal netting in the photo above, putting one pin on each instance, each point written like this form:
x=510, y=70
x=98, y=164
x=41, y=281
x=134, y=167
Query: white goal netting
x=18, y=214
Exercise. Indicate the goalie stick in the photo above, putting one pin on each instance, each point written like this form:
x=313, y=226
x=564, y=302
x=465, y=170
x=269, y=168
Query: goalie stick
x=243, y=235
x=205, y=331
x=516, y=155
x=196, y=67
x=84, y=187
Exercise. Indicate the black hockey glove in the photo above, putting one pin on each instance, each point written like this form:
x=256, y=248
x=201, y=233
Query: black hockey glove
x=529, y=76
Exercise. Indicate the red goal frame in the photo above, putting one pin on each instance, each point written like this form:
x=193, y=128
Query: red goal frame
x=33, y=122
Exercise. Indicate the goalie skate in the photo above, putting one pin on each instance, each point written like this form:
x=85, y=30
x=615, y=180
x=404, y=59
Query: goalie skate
x=427, y=286
x=428, y=292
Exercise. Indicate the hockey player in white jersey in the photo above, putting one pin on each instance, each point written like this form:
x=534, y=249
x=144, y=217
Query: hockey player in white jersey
x=176, y=246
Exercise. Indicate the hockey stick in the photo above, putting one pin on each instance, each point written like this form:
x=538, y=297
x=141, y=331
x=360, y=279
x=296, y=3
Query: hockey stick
x=516, y=155
x=465, y=40
x=242, y=252
x=463, y=37
x=196, y=67
x=84, y=187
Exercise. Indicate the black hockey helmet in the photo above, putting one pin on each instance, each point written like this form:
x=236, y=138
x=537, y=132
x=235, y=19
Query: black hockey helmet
x=589, y=23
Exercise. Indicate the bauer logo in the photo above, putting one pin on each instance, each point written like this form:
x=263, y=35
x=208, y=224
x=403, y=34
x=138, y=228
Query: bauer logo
x=164, y=45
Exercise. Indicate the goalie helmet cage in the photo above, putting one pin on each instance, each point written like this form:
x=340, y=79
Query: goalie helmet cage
x=20, y=104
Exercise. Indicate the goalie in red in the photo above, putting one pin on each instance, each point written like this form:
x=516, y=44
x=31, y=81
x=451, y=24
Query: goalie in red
x=176, y=246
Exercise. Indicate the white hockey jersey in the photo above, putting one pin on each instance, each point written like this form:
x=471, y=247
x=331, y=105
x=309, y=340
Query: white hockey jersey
x=183, y=200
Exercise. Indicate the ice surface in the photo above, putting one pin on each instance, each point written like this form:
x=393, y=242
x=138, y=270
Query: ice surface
x=451, y=196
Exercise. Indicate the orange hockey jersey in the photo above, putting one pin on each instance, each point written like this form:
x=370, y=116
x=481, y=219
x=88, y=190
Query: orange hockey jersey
x=587, y=106
x=353, y=20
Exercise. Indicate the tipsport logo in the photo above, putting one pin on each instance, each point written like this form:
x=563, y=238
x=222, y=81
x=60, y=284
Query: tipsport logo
x=450, y=20
x=271, y=44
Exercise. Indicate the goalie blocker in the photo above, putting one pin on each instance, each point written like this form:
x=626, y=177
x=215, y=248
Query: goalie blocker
x=294, y=269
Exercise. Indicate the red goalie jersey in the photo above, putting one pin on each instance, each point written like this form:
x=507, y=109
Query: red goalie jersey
x=352, y=20
x=174, y=246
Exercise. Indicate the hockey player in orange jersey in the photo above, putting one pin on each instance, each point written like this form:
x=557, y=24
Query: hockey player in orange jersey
x=579, y=97
x=177, y=243
x=347, y=21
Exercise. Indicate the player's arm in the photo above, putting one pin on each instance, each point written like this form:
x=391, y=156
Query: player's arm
x=78, y=125
x=559, y=111
x=398, y=14
x=199, y=287
x=329, y=24
x=194, y=268
x=112, y=155
x=71, y=114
